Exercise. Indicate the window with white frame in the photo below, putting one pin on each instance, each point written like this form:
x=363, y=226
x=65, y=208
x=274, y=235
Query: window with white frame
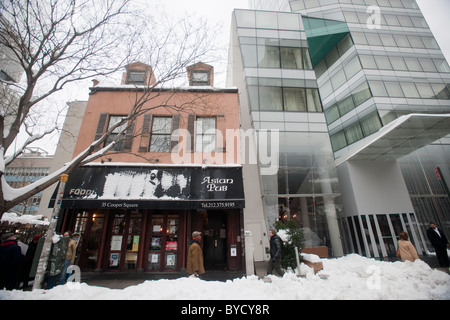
x=205, y=134
x=160, y=134
x=113, y=120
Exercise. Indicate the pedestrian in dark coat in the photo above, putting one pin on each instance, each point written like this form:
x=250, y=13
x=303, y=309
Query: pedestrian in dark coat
x=275, y=254
x=440, y=244
x=28, y=260
x=11, y=259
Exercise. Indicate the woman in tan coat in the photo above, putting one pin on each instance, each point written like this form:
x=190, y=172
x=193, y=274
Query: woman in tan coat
x=195, y=256
x=405, y=249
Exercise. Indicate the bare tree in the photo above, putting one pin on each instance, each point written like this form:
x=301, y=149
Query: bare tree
x=57, y=42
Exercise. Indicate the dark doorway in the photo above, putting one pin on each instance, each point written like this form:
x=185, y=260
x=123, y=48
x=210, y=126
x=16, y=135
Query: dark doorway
x=215, y=241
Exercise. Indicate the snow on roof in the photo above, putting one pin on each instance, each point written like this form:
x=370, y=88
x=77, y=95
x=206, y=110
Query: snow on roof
x=109, y=86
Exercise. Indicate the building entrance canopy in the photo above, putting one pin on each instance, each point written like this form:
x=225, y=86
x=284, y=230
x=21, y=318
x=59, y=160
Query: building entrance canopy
x=402, y=136
x=154, y=187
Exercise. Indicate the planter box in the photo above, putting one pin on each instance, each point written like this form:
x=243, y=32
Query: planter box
x=316, y=266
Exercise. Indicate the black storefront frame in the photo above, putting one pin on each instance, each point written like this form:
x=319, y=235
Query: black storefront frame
x=210, y=189
x=89, y=187
x=189, y=221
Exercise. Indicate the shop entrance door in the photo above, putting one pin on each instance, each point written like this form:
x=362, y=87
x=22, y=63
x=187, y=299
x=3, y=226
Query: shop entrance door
x=215, y=241
x=124, y=240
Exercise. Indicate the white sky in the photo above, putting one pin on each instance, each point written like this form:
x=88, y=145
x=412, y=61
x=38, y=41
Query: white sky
x=436, y=12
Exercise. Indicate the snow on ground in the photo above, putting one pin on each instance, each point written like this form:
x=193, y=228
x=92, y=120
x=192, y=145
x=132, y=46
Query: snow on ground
x=347, y=278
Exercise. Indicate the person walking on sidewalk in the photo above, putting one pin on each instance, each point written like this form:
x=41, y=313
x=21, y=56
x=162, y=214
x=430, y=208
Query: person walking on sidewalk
x=405, y=249
x=195, y=256
x=10, y=262
x=275, y=254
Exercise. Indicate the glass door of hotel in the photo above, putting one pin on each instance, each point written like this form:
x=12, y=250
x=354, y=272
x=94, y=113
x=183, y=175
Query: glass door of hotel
x=124, y=240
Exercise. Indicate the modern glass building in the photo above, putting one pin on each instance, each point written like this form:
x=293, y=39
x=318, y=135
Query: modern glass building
x=359, y=93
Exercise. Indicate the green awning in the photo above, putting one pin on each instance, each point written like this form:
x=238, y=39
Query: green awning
x=323, y=35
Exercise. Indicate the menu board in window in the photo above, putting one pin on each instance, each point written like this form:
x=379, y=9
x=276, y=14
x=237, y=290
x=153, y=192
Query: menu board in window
x=171, y=260
x=156, y=243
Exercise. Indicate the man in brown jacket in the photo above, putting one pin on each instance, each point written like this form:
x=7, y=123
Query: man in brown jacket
x=70, y=255
x=195, y=256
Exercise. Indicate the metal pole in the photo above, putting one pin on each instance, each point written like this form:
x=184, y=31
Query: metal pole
x=298, y=260
x=42, y=265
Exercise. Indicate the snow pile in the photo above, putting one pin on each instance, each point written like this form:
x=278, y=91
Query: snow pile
x=310, y=257
x=350, y=277
x=12, y=218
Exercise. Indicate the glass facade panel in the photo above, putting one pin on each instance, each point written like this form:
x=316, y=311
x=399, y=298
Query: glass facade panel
x=346, y=105
x=338, y=79
x=338, y=141
x=313, y=100
x=268, y=57
x=294, y=99
x=394, y=89
x=427, y=65
x=291, y=58
x=249, y=56
x=398, y=63
x=361, y=94
x=370, y=124
x=332, y=114
x=413, y=64
x=425, y=90
x=368, y=62
x=352, y=67
x=351, y=113
x=378, y=89
x=409, y=89
x=383, y=63
x=353, y=133
x=271, y=98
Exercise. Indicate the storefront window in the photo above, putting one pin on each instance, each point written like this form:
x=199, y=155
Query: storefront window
x=94, y=238
x=81, y=222
x=116, y=241
x=134, y=231
x=164, y=243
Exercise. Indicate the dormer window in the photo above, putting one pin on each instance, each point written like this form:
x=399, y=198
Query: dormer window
x=200, y=74
x=139, y=74
x=136, y=77
x=200, y=78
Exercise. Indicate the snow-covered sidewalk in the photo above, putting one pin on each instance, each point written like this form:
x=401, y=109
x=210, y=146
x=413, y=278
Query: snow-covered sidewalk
x=349, y=277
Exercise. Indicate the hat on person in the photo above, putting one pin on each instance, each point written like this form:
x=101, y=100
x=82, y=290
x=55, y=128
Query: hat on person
x=7, y=235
